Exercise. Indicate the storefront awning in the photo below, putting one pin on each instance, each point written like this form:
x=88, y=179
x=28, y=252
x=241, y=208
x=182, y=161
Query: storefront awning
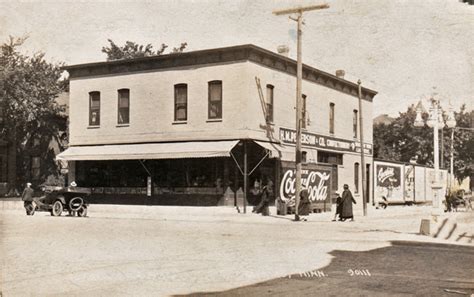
x=285, y=153
x=175, y=150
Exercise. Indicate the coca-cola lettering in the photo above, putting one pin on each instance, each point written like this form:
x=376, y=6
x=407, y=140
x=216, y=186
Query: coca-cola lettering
x=316, y=182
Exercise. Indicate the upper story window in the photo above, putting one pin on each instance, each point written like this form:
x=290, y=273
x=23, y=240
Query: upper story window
x=354, y=123
x=269, y=104
x=356, y=177
x=123, y=106
x=94, y=108
x=303, y=111
x=180, y=102
x=215, y=99
x=332, y=107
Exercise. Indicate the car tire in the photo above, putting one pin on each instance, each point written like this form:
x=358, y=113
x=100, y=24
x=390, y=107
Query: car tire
x=82, y=212
x=76, y=203
x=57, y=208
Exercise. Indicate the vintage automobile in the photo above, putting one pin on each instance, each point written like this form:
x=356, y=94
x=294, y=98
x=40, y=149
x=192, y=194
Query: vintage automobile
x=58, y=199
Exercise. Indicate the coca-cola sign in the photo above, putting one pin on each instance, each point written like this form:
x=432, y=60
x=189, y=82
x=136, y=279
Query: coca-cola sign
x=317, y=183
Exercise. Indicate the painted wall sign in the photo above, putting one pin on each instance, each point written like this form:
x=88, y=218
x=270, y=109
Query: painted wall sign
x=316, y=181
x=324, y=142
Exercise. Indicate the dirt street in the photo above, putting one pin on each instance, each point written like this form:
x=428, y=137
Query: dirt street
x=159, y=251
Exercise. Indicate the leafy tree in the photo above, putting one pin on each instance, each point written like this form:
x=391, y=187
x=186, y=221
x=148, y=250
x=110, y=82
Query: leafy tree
x=402, y=141
x=132, y=50
x=29, y=86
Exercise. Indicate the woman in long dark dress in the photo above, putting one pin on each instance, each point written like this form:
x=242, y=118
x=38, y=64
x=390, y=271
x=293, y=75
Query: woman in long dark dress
x=304, y=208
x=347, y=200
x=266, y=194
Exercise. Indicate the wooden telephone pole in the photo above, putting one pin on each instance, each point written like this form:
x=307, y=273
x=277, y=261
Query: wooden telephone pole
x=299, y=75
x=362, y=153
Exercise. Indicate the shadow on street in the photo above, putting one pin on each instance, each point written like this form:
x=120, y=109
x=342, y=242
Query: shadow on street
x=403, y=269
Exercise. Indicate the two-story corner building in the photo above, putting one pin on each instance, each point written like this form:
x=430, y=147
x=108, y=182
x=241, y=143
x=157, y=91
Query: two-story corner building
x=186, y=128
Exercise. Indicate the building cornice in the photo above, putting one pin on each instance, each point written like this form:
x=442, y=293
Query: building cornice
x=231, y=54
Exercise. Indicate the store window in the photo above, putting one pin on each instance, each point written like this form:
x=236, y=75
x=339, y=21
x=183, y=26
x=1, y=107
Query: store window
x=123, y=106
x=94, y=108
x=215, y=99
x=269, y=103
x=180, y=102
x=354, y=123
x=331, y=117
x=304, y=156
x=329, y=158
x=35, y=167
x=356, y=177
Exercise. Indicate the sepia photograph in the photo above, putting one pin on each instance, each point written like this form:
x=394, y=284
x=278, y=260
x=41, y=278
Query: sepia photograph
x=236, y=148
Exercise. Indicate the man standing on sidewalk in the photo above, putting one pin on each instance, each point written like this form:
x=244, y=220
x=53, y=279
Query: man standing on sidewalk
x=27, y=197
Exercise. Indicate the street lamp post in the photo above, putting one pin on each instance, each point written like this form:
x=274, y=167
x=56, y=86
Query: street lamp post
x=436, y=122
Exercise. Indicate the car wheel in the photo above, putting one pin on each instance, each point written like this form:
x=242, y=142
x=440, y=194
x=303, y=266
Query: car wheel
x=82, y=212
x=57, y=208
x=76, y=203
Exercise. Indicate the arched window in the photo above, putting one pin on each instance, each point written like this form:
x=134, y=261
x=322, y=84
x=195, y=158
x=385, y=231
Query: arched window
x=356, y=177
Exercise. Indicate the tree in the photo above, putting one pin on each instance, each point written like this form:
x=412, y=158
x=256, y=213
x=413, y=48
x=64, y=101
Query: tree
x=131, y=50
x=402, y=141
x=29, y=86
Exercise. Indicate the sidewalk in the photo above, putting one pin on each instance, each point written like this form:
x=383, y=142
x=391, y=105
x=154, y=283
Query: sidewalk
x=394, y=219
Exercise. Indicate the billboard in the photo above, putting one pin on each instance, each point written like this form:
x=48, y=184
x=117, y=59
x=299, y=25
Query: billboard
x=388, y=181
x=409, y=183
x=420, y=193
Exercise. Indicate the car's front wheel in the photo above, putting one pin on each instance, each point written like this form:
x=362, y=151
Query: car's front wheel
x=57, y=208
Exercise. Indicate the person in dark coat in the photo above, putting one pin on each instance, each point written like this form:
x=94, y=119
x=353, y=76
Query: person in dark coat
x=347, y=200
x=27, y=197
x=266, y=194
x=338, y=207
x=304, y=208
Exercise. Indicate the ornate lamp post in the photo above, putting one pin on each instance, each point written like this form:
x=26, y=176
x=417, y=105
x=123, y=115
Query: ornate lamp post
x=436, y=122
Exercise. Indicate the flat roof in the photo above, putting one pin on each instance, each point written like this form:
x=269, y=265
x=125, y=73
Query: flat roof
x=239, y=53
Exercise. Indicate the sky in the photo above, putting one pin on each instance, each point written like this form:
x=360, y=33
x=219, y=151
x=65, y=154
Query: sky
x=405, y=50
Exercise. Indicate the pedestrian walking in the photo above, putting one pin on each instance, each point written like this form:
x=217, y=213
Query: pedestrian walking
x=338, y=207
x=347, y=200
x=266, y=196
x=304, y=208
x=27, y=197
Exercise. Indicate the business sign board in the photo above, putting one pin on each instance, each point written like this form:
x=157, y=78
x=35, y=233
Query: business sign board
x=388, y=181
x=315, y=179
x=409, y=183
x=420, y=193
x=324, y=142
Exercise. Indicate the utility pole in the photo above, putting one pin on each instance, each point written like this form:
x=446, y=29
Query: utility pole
x=362, y=159
x=299, y=77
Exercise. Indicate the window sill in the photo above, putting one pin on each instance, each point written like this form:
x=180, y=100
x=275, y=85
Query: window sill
x=214, y=121
x=179, y=123
x=93, y=127
x=122, y=125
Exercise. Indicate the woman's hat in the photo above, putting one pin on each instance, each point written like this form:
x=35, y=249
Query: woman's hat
x=73, y=184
